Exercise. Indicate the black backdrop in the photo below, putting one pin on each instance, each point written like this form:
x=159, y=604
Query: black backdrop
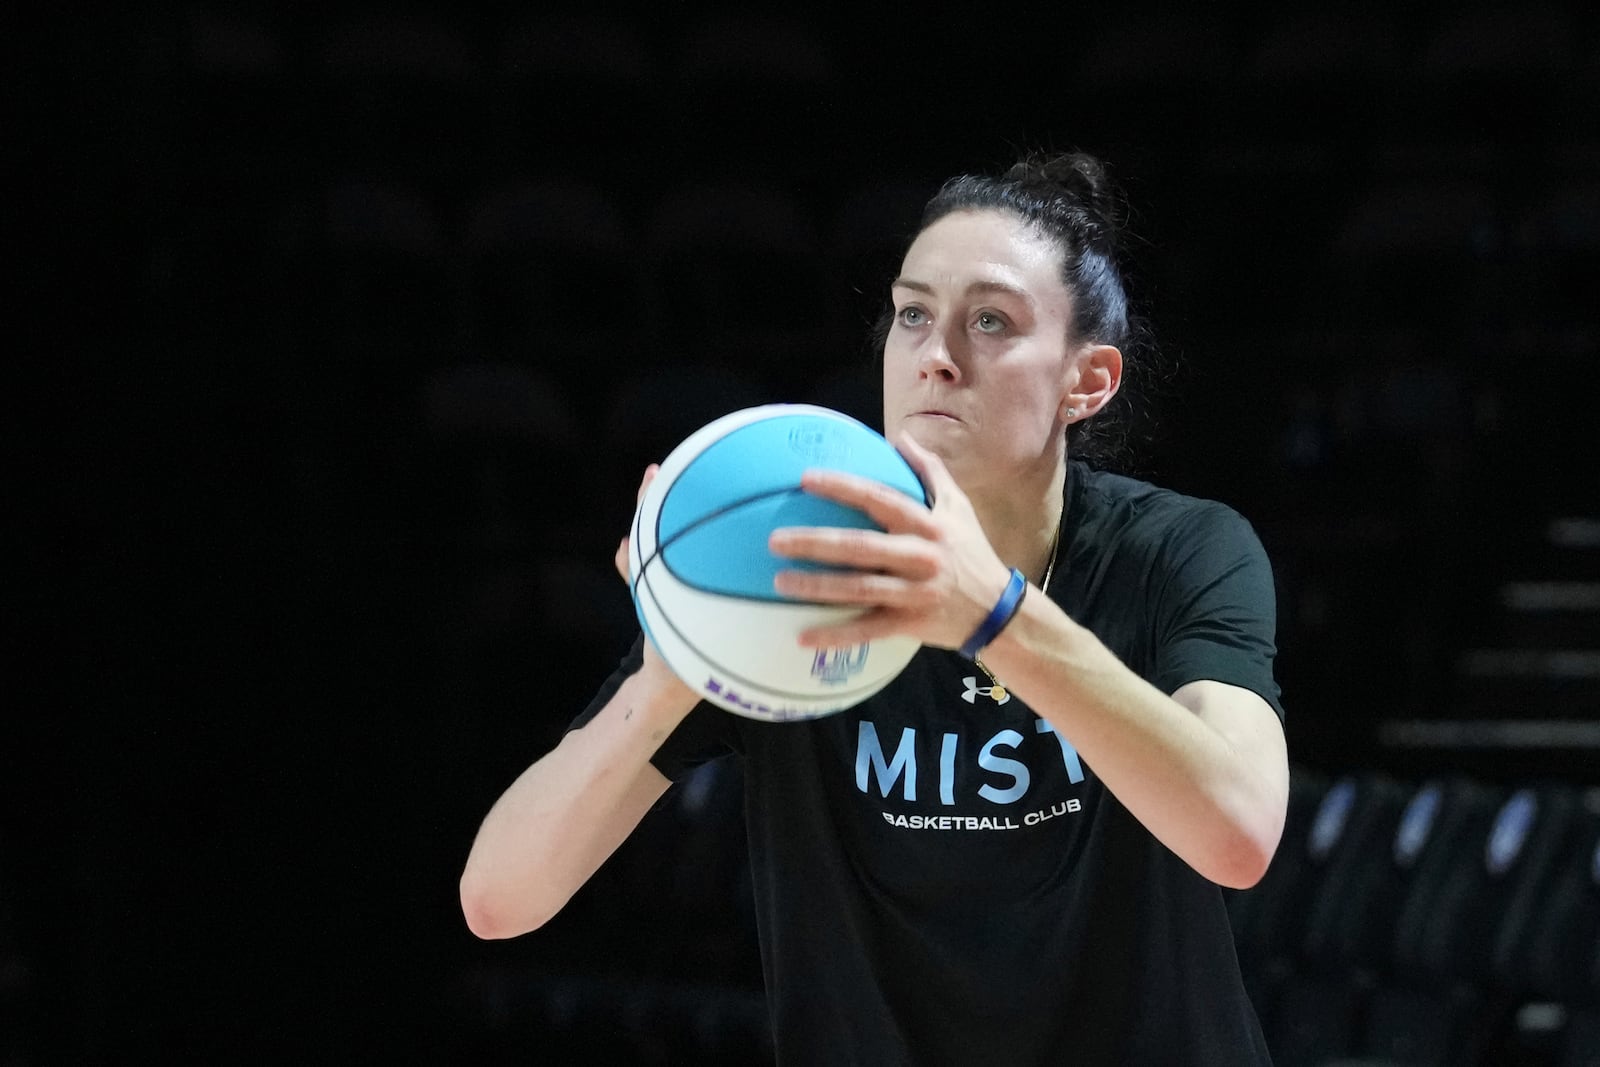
x=349, y=331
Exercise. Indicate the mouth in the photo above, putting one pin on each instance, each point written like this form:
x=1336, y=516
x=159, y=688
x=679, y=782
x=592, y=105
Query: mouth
x=934, y=413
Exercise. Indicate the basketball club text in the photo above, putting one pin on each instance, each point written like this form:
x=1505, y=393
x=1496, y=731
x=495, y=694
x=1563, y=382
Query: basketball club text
x=1011, y=777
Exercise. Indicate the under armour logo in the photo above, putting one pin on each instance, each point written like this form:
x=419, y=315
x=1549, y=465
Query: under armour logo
x=996, y=693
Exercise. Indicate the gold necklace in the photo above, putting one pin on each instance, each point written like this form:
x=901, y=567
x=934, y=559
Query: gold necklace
x=997, y=692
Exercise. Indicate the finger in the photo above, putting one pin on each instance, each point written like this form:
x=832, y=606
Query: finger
x=621, y=557
x=852, y=587
x=885, y=505
x=904, y=555
x=650, y=472
x=868, y=626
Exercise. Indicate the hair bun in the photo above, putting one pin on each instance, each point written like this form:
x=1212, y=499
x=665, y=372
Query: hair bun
x=1084, y=179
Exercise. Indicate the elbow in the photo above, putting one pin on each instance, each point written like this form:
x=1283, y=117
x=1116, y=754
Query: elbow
x=487, y=916
x=1251, y=830
x=1242, y=860
x=482, y=916
x=1243, y=866
x=483, y=921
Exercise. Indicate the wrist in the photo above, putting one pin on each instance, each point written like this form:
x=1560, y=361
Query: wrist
x=1004, y=610
x=659, y=695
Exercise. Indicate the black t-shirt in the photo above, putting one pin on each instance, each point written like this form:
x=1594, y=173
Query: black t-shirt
x=940, y=879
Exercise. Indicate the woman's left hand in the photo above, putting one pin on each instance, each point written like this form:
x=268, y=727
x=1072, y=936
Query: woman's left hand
x=928, y=573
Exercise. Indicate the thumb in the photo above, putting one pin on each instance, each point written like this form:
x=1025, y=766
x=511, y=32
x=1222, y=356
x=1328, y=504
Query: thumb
x=929, y=468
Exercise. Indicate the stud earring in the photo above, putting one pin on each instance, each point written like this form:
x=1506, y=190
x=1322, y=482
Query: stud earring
x=1072, y=413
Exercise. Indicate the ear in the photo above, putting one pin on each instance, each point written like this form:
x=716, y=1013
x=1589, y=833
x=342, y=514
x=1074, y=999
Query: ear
x=1095, y=377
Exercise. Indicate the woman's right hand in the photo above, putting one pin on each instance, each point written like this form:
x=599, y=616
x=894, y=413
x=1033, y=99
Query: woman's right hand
x=655, y=669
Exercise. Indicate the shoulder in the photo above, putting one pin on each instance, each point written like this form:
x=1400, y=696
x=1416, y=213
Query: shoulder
x=1141, y=514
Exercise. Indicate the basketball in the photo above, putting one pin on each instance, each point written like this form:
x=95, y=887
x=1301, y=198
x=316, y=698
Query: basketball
x=702, y=575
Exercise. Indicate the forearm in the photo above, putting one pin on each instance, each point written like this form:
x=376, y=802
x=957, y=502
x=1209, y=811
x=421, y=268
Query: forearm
x=1215, y=800
x=560, y=820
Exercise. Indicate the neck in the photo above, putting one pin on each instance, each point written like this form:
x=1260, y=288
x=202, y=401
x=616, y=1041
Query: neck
x=1021, y=520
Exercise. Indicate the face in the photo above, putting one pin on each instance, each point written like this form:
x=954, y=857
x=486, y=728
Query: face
x=976, y=366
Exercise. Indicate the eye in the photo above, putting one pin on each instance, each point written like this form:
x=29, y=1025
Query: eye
x=989, y=322
x=910, y=315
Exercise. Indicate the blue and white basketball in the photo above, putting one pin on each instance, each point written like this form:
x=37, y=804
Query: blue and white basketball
x=702, y=574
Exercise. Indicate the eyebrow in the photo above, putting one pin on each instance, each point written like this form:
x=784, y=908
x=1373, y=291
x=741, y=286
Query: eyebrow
x=975, y=287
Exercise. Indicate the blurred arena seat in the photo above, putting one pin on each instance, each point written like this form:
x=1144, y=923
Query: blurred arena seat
x=1560, y=232
x=1445, y=965
x=735, y=276
x=1319, y=74
x=384, y=274
x=552, y=279
x=1551, y=956
x=397, y=93
x=1416, y=952
x=1420, y=252
x=1271, y=286
x=237, y=216
x=1505, y=68
x=239, y=94
x=746, y=87
x=1167, y=71
x=575, y=93
x=1310, y=1005
x=1346, y=959
x=502, y=437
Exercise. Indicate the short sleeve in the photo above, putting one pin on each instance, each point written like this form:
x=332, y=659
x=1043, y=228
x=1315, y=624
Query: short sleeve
x=706, y=733
x=1216, y=606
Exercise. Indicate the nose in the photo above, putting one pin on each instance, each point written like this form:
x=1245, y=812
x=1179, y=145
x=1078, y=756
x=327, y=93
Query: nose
x=935, y=359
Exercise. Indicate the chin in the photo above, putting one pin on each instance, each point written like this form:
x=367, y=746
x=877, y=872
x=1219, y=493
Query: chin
x=925, y=432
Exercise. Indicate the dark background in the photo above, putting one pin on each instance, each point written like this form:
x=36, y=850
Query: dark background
x=348, y=331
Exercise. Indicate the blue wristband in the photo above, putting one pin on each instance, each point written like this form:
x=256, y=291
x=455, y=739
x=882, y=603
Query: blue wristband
x=1004, y=609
